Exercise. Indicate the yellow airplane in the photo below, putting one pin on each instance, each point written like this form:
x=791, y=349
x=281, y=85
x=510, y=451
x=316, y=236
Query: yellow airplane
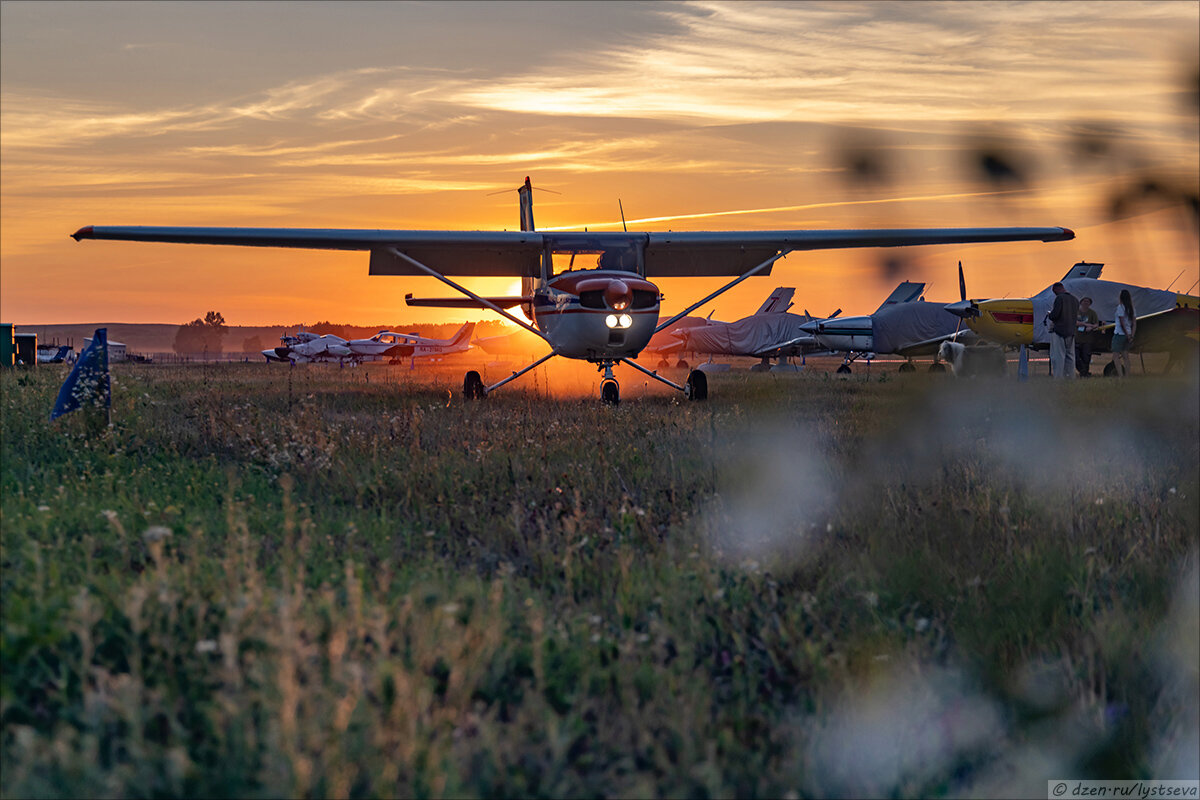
x=1166, y=321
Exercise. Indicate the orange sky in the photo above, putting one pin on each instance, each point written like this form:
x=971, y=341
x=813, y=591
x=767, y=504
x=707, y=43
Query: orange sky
x=698, y=116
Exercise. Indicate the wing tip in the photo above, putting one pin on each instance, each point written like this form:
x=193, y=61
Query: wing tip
x=1067, y=234
x=86, y=232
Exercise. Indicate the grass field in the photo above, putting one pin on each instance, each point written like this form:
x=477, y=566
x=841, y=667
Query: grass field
x=318, y=582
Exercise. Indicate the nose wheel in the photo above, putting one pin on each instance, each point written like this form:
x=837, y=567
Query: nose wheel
x=610, y=392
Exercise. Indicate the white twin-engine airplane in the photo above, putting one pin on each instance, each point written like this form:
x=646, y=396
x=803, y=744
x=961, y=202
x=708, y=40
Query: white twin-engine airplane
x=604, y=314
x=306, y=346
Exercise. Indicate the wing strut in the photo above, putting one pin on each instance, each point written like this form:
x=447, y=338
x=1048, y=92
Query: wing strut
x=516, y=375
x=653, y=374
x=483, y=301
x=722, y=290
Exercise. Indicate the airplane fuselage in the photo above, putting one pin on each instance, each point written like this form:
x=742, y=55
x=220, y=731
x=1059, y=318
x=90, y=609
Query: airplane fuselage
x=846, y=334
x=597, y=314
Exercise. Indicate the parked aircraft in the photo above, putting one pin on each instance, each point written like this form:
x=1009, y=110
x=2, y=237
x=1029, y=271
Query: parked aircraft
x=604, y=314
x=396, y=346
x=770, y=332
x=1166, y=321
x=306, y=346
x=903, y=325
x=50, y=354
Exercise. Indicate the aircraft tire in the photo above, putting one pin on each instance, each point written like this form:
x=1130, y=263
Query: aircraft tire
x=697, y=385
x=681, y=364
x=610, y=393
x=664, y=364
x=907, y=366
x=473, y=386
x=844, y=369
x=759, y=368
x=937, y=367
x=1110, y=370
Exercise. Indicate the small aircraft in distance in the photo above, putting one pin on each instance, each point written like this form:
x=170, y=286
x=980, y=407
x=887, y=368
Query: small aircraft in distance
x=1166, y=321
x=770, y=332
x=605, y=313
x=903, y=325
x=396, y=346
x=306, y=346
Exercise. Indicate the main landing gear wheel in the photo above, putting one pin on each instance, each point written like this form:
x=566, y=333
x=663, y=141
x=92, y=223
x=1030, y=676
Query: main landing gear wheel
x=697, y=386
x=844, y=369
x=610, y=392
x=473, y=388
x=681, y=364
x=1110, y=369
x=907, y=366
x=664, y=364
x=935, y=367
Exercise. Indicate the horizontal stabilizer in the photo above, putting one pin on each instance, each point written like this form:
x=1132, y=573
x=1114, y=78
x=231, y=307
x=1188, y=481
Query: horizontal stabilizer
x=464, y=302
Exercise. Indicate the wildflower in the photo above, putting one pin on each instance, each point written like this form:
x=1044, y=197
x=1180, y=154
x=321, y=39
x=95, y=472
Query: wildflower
x=156, y=533
x=871, y=598
x=206, y=646
x=922, y=625
x=1099, y=501
x=43, y=508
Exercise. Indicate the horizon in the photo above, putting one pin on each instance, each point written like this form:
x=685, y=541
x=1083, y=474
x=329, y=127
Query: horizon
x=690, y=116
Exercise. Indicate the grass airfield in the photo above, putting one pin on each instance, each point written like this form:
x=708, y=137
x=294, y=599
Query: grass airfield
x=267, y=581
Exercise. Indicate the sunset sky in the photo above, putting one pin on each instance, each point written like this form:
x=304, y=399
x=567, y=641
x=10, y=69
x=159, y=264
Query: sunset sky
x=696, y=116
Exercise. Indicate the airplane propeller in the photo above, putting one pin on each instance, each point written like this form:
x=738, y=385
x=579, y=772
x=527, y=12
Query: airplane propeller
x=963, y=308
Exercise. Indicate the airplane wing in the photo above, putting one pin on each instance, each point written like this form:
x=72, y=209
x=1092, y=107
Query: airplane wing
x=930, y=346
x=519, y=253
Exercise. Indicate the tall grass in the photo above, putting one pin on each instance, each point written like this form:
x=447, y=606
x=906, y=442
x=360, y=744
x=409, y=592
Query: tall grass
x=313, y=582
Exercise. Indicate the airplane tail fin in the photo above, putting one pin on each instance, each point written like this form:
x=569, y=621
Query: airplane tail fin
x=526, y=195
x=778, y=302
x=1084, y=269
x=463, y=335
x=906, y=292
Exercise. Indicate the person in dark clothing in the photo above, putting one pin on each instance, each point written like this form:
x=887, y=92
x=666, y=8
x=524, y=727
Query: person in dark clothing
x=1087, y=322
x=1062, y=319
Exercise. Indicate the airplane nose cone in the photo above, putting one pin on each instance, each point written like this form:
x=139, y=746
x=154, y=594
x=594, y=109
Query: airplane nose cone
x=810, y=327
x=618, y=295
x=963, y=308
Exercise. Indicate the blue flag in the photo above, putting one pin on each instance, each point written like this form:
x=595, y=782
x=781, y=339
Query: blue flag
x=88, y=381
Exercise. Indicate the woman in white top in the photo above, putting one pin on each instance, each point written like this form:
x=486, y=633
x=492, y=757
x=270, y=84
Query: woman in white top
x=1123, y=330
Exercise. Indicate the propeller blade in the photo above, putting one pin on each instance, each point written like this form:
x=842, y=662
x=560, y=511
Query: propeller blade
x=834, y=314
x=962, y=283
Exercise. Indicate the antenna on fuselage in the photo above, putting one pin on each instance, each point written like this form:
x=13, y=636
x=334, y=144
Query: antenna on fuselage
x=623, y=226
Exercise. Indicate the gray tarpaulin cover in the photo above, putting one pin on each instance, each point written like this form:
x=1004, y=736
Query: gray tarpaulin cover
x=1105, y=296
x=896, y=327
x=746, y=337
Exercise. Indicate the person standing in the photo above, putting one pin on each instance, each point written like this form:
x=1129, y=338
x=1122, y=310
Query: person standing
x=1124, y=327
x=1062, y=319
x=1087, y=322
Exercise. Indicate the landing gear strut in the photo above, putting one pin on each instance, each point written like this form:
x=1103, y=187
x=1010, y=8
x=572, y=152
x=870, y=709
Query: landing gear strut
x=610, y=390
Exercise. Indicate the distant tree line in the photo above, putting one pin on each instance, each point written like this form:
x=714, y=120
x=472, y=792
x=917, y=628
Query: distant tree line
x=201, y=335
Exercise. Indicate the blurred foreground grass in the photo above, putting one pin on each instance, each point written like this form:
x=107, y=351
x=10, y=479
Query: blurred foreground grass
x=322, y=582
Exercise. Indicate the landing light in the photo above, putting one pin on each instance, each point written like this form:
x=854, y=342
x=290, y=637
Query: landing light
x=625, y=320
x=611, y=320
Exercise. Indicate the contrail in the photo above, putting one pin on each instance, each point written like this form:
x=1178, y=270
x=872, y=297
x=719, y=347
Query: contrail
x=804, y=207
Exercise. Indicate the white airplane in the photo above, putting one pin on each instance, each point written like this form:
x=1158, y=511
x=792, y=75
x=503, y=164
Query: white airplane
x=605, y=313
x=306, y=346
x=904, y=325
x=396, y=346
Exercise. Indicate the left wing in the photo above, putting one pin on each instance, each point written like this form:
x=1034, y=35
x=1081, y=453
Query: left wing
x=519, y=253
